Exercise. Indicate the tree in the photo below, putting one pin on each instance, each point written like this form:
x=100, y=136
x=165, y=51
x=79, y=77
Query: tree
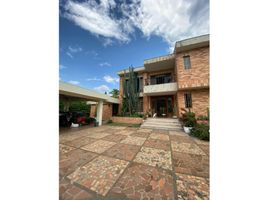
x=114, y=93
x=130, y=92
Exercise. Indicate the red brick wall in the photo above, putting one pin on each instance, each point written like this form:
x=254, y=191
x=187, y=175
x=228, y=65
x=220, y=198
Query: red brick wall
x=198, y=75
x=200, y=101
x=131, y=120
x=106, y=114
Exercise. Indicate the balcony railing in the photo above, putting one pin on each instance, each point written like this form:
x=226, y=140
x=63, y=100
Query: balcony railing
x=159, y=80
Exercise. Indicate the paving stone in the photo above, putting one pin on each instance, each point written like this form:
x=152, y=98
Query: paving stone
x=74, y=159
x=65, y=149
x=192, y=164
x=179, y=133
x=98, y=135
x=100, y=174
x=154, y=157
x=140, y=134
x=125, y=132
x=123, y=151
x=114, y=138
x=185, y=139
x=144, y=182
x=144, y=130
x=160, y=131
x=205, y=148
x=72, y=192
x=203, y=142
x=192, y=187
x=99, y=146
x=80, y=142
x=66, y=137
x=159, y=136
x=158, y=144
x=133, y=140
x=186, y=148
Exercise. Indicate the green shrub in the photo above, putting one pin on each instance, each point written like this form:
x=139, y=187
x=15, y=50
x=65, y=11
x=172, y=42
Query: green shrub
x=110, y=121
x=201, y=131
x=202, y=117
x=188, y=119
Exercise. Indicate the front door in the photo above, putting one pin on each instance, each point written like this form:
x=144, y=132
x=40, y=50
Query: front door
x=162, y=106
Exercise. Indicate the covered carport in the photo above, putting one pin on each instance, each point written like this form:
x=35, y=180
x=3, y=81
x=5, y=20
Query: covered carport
x=69, y=92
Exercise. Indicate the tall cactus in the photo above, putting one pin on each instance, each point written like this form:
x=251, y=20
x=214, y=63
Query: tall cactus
x=131, y=94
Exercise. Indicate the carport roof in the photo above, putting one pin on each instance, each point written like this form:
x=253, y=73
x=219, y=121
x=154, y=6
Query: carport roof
x=77, y=92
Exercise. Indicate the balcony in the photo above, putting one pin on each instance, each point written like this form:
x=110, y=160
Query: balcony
x=153, y=88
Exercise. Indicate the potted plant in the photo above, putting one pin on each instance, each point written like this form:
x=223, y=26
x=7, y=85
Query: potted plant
x=189, y=121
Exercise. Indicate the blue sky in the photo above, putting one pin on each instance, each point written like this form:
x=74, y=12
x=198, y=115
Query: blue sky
x=99, y=38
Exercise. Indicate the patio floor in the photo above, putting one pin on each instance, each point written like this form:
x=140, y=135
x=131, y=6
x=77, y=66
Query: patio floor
x=112, y=162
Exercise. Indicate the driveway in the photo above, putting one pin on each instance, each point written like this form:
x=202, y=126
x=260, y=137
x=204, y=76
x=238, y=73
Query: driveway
x=112, y=162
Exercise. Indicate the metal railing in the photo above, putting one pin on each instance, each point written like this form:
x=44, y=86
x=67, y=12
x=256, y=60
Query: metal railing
x=159, y=80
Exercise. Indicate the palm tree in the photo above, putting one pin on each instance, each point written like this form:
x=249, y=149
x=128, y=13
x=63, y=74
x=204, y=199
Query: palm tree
x=114, y=93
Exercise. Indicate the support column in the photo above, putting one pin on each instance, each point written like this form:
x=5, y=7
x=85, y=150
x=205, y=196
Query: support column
x=99, y=112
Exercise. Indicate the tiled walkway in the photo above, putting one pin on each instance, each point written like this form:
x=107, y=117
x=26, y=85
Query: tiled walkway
x=111, y=162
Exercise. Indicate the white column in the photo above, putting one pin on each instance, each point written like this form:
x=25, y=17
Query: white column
x=99, y=112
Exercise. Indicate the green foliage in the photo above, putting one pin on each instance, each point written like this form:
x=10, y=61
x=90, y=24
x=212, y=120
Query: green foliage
x=110, y=121
x=201, y=131
x=202, y=117
x=79, y=106
x=131, y=95
x=188, y=119
x=114, y=93
x=61, y=106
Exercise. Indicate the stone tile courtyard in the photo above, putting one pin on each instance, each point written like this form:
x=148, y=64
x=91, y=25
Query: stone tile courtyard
x=111, y=162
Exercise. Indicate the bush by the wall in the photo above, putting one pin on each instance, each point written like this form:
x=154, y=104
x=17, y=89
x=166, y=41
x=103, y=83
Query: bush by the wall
x=201, y=131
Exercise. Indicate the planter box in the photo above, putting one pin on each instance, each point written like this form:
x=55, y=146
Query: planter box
x=131, y=120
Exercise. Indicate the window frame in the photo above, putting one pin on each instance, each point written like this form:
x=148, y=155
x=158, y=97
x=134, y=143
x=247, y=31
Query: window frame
x=188, y=100
x=186, y=67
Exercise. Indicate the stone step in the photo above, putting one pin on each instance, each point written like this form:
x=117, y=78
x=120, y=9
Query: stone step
x=161, y=124
x=162, y=119
x=161, y=127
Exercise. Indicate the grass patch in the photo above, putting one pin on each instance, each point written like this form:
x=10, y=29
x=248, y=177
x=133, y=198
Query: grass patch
x=124, y=124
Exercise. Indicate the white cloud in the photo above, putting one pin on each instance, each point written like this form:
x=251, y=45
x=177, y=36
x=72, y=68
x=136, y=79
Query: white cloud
x=105, y=64
x=62, y=67
x=107, y=42
x=69, y=54
x=171, y=20
x=75, y=49
x=110, y=79
x=102, y=88
x=96, y=18
x=74, y=82
x=93, y=79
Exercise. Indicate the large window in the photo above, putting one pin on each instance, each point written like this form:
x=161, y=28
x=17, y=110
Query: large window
x=160, y=79
x=188, y=100
x=187, y=62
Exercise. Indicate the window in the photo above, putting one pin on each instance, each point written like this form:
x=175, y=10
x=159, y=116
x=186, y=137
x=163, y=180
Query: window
x=188, y=100
x=186, y=61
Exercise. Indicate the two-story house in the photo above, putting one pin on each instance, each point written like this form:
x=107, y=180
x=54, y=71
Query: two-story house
x=178, y=80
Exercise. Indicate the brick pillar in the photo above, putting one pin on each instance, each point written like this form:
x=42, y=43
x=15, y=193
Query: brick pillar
x=120, y=94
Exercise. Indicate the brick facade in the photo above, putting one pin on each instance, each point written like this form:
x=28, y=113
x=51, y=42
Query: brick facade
x=200, y=101
x=198, y=74
x=106, y=114
x=130, y=120
x=194, y=80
